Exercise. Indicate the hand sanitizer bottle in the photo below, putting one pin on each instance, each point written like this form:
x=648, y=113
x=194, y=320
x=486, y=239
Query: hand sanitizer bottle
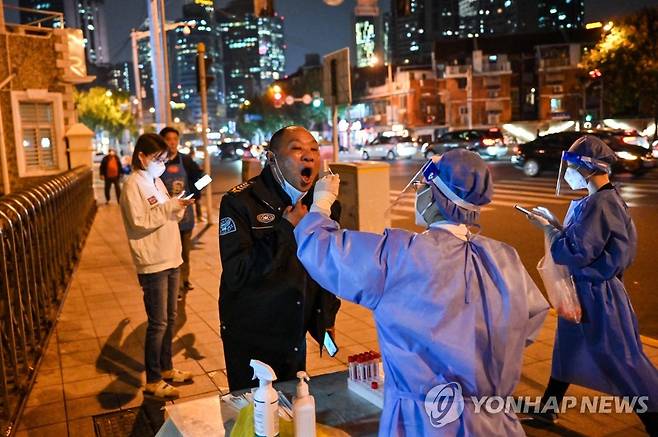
x=266, y=401
x=303, y=409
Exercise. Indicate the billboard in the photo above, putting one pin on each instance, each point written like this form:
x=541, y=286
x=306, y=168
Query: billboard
x=366, y=41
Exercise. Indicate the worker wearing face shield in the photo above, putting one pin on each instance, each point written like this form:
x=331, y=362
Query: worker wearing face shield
x=451, y=307
x=597, y=242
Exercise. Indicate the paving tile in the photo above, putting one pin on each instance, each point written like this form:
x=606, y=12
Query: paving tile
x=87, y=345
x=76, y=359
x=41, y=415
x=45, y=395
x=88, y=387
x=80, y=373
x=48, y=377
x=90, y=406
x=58, y=429
x=82, y=427
x=201, y=384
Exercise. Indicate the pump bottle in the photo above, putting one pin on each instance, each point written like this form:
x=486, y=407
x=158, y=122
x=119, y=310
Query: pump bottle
x=303, y=408
x=266, y=401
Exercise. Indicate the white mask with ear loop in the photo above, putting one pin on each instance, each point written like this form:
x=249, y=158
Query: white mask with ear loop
x=575, y=180
x=292, y=192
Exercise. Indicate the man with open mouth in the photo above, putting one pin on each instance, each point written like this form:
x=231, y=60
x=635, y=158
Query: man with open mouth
x=267, y=300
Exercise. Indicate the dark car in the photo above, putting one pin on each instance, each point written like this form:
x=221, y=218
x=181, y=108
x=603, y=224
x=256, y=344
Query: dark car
x=232, y=149
x=544, y=152
x=489, y=143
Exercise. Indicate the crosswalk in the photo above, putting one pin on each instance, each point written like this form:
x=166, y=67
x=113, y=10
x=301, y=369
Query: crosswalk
x=530, y=192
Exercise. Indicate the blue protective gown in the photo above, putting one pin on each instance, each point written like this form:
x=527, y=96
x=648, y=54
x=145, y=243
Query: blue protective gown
x=446, y=309
x=604, y=352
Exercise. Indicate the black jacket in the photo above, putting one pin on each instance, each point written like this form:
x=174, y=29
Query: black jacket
x=105, y=160
x=267, y=299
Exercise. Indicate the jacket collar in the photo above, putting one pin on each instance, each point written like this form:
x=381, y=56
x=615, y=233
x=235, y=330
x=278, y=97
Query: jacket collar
x=269, y=191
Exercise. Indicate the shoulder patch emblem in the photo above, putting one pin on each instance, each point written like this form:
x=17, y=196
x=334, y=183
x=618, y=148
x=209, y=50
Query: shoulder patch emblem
x=226, y=226
x=265, y=218
x=239, y=187
x=152, y=200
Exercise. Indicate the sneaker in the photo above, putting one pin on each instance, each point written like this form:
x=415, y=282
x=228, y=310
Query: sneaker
x=176, y=375
x=180, y=296
x=188, y=285
x=161, y=390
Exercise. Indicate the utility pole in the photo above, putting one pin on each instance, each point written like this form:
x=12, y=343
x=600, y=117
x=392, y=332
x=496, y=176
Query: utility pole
x=201, y=53
x=156, y=34
x=165, y=57
x=138, y=84
x=469, y=95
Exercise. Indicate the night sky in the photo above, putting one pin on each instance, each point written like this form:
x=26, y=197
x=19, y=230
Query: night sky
x=310, y=25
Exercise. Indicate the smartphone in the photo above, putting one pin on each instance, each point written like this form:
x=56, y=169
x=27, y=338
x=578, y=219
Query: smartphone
x=330, y=345
x=203, y=182
x=523, y=210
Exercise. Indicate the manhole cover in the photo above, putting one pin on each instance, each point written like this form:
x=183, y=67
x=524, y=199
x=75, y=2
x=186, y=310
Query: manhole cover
x=125, y=423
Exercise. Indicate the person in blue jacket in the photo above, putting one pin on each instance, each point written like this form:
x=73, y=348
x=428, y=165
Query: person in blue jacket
x=454, y=310
x=598, y=242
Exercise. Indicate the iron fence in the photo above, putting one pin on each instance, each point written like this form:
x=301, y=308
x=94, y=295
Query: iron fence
x=42, y=231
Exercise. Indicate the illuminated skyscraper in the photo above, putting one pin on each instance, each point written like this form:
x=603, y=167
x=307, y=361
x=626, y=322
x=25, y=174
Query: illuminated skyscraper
x=254, y=49
x=82, y=14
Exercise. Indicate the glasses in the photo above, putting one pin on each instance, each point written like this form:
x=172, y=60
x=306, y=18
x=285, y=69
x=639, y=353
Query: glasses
x=161, y=160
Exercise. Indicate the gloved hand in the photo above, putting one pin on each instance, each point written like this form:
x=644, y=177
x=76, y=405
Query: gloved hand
x=543, y=224
x=548, y=215
x=325, y=194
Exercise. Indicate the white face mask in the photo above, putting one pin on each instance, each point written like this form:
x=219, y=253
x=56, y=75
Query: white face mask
x=155, y=168
x=420, y=219
x=575, y=180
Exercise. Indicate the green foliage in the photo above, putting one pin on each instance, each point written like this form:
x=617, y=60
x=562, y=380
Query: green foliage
x=627, y=56
x=103, y=110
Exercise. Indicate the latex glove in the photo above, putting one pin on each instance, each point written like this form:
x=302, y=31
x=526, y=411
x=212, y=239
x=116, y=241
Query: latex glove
x=548, y=215
x=325, y=194
x=543, y=224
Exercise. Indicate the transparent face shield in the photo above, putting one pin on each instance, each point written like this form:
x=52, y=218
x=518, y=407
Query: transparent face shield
x=416, y=182
x=572, y=163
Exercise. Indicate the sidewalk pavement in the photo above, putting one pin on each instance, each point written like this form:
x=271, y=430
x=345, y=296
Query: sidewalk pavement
x=93, y=362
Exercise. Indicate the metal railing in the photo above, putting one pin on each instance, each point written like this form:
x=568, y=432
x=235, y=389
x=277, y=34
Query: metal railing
x=42, y=231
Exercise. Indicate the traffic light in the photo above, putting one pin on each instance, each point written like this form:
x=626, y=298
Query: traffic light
x=278, y=96
x=210, y=78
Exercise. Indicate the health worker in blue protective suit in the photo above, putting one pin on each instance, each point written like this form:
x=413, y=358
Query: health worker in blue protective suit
x=454, y=310
x=598, y=242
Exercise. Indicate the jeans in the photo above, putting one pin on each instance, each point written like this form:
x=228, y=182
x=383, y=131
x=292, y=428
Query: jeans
x=160, y=294
x=108, y=185
x=186, y=243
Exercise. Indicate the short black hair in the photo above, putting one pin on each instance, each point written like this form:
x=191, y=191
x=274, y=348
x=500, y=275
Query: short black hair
x=277, y=138
x=148, y=144
x=167, y=130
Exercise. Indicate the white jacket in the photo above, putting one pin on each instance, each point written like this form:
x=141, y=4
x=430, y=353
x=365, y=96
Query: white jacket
x=151, y=219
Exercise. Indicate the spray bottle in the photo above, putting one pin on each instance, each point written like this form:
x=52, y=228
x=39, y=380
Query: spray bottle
x=303, y=408
x=266, y=401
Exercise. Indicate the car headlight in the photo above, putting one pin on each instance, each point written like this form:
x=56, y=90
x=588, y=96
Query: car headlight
x=627, y=156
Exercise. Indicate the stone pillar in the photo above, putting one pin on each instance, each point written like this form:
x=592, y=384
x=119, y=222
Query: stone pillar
x=80, y=149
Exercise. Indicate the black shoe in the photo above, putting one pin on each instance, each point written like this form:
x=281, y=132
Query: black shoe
x=180, y=296
x=187, y=286
x=548, y=417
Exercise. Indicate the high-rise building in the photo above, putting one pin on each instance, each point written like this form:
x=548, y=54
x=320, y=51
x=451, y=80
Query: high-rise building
x=81, y=14
x=416, y=24
x=367, y=33
x=183, y=43
x=254, y=49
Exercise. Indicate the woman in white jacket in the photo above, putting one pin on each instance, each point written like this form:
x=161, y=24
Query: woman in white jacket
x=151, y=218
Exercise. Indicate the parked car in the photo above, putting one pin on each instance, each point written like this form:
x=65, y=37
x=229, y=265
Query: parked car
x=489, y=143
x=544, y=153
x=389, y=147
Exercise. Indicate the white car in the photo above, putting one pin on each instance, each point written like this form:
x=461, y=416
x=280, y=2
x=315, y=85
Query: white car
x=390, y=148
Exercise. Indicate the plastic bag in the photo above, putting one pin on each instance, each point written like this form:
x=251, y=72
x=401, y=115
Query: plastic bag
x=559, y=286
x=244, y=426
